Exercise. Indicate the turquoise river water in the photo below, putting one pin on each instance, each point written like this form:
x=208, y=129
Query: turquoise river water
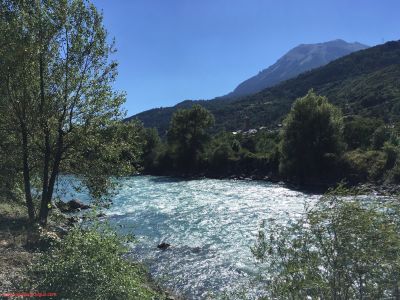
x=209, y=223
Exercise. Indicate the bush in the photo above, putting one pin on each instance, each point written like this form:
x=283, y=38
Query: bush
x=362, y=166
x=89, y=264
x=341, y=249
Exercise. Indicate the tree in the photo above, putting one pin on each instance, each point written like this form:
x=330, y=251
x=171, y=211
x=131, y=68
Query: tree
x=358, y=131
x=56, y=85
x=151, y=148
x=222, y=152
x=187, y=135
x=380, y=136
x=311, y=138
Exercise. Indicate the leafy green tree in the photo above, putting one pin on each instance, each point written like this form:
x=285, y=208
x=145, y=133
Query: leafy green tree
x=56, y=80
x=187, y=136
x=311, y=138
x=222, y=152
x=112, y=151
x=152, y=148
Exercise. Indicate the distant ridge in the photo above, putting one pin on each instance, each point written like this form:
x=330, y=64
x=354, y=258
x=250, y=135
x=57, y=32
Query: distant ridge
x=302, y=58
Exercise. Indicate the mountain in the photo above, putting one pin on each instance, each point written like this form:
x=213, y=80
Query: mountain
x=302, y=58
x=365, y=82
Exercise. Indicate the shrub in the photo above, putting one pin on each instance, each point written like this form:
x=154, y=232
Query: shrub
x=341, y=249
x=364, y=165
x=89, y=264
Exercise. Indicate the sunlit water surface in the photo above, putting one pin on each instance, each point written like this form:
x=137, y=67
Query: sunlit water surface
x=210, y=224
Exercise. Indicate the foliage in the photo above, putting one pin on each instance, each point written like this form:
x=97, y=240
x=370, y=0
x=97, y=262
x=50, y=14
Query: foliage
x=380, y=136
x=311, y=138
x=151, y=149
x=187, y=136
x=266, y=141
x=340, y=249
x=358, y=131
x=364, y=165
x=9, y=168
x=89, y=264
x=222, y=152
x=115, y=150
x=56, y=96
x=259, y=153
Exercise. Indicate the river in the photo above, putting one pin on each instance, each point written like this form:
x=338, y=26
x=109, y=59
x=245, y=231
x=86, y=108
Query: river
x=209, y=223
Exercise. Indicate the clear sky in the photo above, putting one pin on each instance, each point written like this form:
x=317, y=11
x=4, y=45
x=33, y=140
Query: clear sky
x=173, y=50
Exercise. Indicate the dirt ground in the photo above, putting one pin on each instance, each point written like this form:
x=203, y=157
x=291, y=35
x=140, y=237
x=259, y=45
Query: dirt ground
x=15, y=257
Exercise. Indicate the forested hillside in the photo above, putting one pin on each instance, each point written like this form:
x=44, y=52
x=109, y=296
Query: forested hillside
x=366, y=82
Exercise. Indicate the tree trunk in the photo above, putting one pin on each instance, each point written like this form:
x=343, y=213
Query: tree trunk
x=44, y=207
x=45, y=188
x=26, y=172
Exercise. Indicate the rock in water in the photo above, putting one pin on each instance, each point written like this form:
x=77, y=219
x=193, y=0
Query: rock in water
x=163, y=246
x=76, y=204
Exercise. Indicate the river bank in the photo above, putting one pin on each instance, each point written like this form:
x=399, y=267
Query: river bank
x=21, y=248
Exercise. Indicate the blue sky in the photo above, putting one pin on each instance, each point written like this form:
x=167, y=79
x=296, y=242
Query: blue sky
x=173, y=50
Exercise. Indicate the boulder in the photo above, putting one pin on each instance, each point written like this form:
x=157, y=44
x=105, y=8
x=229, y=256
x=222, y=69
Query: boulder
x=71, y=206
x=76, y=204
x=196, y=250
x=163, y=246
